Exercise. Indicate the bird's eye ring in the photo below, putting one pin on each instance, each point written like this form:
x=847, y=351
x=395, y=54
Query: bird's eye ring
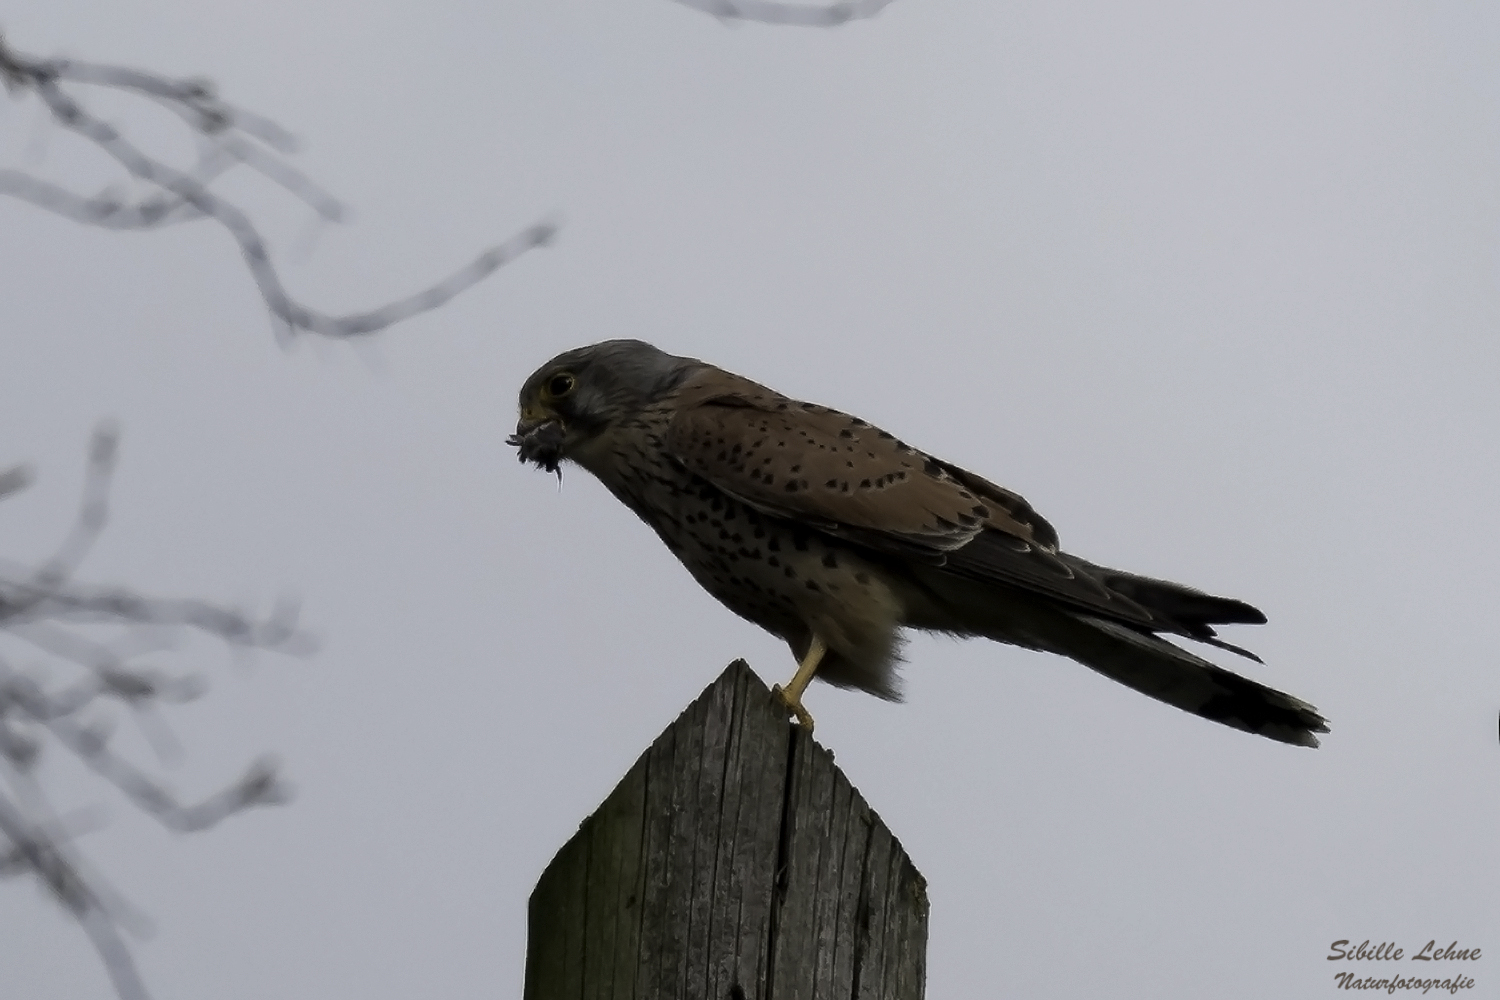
x=560, y=385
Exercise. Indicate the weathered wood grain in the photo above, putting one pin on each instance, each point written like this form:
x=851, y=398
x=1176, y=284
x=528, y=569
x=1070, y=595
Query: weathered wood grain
x=734, y=861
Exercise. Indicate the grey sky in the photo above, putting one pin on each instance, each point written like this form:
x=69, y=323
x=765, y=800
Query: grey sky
x=1215, y=286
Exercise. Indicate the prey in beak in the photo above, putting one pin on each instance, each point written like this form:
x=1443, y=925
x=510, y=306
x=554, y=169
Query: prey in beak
x=539, y=442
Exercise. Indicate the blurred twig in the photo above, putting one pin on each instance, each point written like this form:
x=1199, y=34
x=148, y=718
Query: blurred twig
x=815, y=15
x=233, y=137
x=47, y=611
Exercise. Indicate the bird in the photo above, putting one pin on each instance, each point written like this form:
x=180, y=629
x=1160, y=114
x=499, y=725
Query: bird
x=837, y=537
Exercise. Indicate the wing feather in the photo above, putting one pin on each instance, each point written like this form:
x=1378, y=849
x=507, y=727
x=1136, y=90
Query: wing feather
x=836, y=473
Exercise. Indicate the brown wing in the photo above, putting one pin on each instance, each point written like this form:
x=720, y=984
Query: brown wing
x=839, y=474
x=835, y=472
x=997, y=559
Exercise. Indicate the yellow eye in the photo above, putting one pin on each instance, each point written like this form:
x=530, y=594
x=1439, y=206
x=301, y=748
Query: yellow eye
x=560, y=385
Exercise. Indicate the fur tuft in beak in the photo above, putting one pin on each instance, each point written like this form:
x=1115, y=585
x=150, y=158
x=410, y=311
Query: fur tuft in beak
x=540, y=444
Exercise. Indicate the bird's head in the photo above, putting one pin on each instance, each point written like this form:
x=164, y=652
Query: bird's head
x=570, y=402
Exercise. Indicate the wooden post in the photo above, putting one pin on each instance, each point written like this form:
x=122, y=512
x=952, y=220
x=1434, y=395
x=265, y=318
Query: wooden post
x=733, y=862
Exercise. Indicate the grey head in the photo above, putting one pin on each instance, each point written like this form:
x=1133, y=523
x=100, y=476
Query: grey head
x=579, y=395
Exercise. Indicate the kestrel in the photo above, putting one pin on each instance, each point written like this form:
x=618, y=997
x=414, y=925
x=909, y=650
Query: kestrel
x=834, y=535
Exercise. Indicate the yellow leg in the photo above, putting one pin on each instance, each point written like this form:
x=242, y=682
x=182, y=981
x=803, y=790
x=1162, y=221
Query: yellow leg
x=791, y=696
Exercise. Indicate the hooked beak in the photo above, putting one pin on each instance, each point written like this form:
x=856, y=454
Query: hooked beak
x=539, y=440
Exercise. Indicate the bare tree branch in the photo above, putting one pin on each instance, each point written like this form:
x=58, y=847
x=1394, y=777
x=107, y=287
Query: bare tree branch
x=92, y=514
x=40, y=852
x=14, y=479
x=52, y=613
x=100, y=210
x=186, y=195
x=816, y=15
